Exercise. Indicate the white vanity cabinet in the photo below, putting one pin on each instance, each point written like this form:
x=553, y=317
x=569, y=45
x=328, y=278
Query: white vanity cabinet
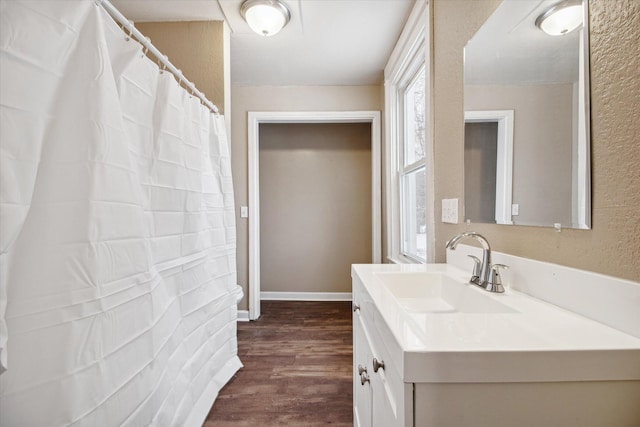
x=380, y=398
x=435, y=352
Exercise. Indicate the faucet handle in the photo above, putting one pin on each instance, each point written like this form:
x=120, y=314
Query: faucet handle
x=495, y=282
x=476, y=268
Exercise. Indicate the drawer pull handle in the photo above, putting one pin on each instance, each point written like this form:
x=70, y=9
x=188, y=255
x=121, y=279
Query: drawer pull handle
x=364, y=378
x=377, y=365
x=355, y=307
x=361, y=369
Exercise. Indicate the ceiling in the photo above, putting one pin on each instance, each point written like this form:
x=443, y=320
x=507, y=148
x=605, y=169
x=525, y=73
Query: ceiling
x=327, y=42
x=510, y=49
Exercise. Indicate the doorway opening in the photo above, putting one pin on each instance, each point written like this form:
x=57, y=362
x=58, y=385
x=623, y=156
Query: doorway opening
x=488, y=168
x=258, y=118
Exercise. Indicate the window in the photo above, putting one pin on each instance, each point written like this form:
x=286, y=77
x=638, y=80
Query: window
x=412, y=169
x=408, y=144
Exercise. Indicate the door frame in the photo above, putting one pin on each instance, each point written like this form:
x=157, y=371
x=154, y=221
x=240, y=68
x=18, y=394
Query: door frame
x=504, y=163
x=253, y=123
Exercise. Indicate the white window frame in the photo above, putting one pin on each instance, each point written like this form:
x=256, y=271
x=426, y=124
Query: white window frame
x=412, y=51
x=404, y=169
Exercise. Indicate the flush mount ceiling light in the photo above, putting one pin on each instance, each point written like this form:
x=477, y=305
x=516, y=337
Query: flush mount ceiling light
x=561, y=18
x=265, y=17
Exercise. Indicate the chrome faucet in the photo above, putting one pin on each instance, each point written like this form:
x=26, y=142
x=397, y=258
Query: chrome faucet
x=485, y=274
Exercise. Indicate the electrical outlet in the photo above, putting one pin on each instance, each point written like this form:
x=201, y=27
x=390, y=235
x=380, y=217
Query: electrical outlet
x=244, y=212
x=450, y=211
x=515, y=209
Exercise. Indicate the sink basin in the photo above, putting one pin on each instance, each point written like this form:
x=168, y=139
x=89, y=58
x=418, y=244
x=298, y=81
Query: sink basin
x=439, y=293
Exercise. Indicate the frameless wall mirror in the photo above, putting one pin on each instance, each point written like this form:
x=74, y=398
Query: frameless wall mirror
x=526, y=100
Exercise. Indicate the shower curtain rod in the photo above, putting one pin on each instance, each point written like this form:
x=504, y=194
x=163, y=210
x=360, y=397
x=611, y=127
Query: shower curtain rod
x=115, y=14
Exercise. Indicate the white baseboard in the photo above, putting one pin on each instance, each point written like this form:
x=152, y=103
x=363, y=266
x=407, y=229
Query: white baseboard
x=305, y=296
x=243, y=315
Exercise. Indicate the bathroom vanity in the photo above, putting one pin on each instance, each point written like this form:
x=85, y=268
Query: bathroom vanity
x=432, y=350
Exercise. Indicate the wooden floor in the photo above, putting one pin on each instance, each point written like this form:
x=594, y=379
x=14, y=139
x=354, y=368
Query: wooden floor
x=297, y=368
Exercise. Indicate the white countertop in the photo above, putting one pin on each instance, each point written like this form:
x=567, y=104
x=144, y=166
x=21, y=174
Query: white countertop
x=537, y=341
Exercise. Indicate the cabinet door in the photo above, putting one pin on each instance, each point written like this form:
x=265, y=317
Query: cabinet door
x=361, y=392
x=383, y=414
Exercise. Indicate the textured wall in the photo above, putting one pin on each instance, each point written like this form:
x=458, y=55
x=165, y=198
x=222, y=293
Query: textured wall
x=197, y=49
x=281, y=98
x=612, y=246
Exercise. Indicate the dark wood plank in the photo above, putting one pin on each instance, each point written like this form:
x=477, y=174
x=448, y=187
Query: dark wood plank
x=297, y=368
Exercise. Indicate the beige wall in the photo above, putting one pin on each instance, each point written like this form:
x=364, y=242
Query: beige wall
x=197, y=49
x=480, y=158
x=315, y=205
x=542, y=147
x=281, y=98
x=612, y=246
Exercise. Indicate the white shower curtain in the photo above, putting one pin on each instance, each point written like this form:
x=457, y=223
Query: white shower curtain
x=117, y=229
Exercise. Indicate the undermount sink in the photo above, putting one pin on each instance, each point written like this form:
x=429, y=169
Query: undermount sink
x=438, y=293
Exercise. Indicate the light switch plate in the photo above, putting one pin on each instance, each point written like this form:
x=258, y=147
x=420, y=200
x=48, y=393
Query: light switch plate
x=450, y=211
x=244, y=212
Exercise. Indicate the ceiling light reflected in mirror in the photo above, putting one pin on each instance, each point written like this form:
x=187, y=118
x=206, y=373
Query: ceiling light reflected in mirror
x=562, y=18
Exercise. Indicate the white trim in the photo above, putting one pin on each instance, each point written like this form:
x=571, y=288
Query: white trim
x=430, y=138
x=253, y=123
x=402, y=259
x=583, y=219
x=412, y=34
x=305, y=296
x=254, y=217
x=414, y=42
x=243, y=316
x=504, y=162
x=392, y=200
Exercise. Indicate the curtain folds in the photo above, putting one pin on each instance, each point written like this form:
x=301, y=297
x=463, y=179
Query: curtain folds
x=117, y=228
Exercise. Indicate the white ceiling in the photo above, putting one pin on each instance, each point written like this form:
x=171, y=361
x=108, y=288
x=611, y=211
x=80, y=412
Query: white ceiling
x=327, y=42
x=510, y=49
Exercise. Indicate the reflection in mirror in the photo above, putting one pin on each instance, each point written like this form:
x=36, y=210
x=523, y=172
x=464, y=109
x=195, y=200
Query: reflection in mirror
x=526, y=100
